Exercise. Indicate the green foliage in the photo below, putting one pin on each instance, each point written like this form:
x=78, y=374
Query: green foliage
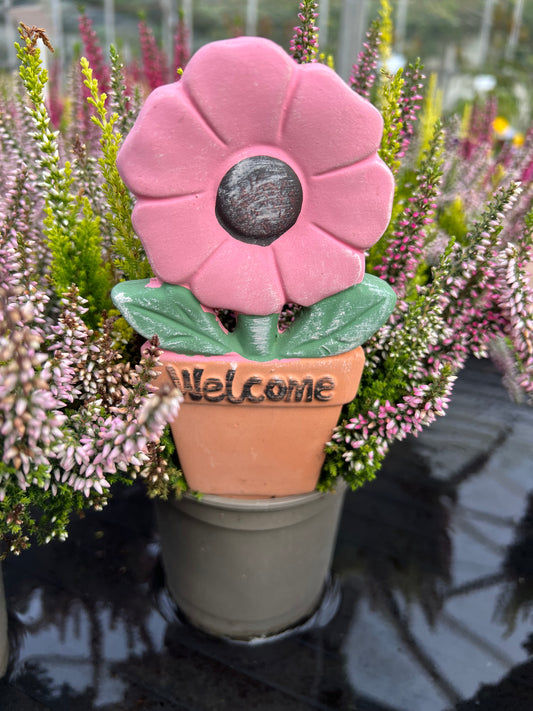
x=333, y=325
x=431, y=113
x=452, y=219
x=130, y=257
x=122, y=102
x=339, y=322
x=38, y=513
x=392, y=124
x=77, y=259
x=335, y=466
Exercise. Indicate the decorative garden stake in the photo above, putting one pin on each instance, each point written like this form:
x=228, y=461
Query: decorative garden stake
x=258, y=184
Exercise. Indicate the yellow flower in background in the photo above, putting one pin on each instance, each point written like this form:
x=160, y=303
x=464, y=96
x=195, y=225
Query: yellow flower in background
x=502, y=128
x=500, y=124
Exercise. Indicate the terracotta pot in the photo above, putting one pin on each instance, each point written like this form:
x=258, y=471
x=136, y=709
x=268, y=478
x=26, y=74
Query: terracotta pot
x=255, y=429
x=245, y=568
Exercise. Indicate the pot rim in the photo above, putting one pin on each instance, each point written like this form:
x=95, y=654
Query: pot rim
x=271, y=503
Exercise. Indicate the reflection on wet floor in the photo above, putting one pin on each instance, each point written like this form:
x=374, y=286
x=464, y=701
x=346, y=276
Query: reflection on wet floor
x=430, y=607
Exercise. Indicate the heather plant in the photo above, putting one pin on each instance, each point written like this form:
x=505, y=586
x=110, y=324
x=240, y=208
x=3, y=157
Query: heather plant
x=71, y=228
x=77, y=412
x=75, y=415
x=130, y=258
x=304, y=42
x=455, y=253
x=154, y=61
x=93, y=52
x=364, y=71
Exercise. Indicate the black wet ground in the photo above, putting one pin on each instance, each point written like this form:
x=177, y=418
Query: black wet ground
x=430, y=606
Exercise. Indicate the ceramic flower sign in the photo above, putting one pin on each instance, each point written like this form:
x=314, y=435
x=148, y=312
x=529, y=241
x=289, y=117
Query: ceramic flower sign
x=258, y=184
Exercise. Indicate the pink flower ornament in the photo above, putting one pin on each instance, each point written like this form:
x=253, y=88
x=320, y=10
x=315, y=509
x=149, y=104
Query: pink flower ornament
x=257, y=179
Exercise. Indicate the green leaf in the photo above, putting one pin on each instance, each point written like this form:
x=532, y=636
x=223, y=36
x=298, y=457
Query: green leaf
x=334, y=325
x=173, y=314
x=340, y=322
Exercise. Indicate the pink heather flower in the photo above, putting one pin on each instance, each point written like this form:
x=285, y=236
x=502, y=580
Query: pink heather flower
x=304, y=42
x=364, y=70
x=153, y=60
x=94, y=53
x=410, y=102
x=29, y=414
x=181, y=46
x=195, y=145
x=527, y=175
x=56, y=104
x=402, y=255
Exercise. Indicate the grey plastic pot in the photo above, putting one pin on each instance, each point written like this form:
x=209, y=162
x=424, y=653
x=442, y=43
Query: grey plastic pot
x=245, y=568
x=4, y=642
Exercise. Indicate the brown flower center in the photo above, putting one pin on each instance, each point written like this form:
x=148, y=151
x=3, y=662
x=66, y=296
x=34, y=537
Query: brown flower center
x=258, y=200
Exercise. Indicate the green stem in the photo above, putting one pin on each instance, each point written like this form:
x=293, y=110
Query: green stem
x=257, y=336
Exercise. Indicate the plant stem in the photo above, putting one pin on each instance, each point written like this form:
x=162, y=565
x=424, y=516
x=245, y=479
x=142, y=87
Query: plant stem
x=257, y=335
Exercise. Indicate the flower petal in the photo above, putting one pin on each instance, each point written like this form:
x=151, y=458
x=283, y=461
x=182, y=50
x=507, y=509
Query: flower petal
x=169, y=138
x=240, y=86
x=327, y=124
x=240, y=277
x=314, y=265
x=353, y=203
x=178, y=234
